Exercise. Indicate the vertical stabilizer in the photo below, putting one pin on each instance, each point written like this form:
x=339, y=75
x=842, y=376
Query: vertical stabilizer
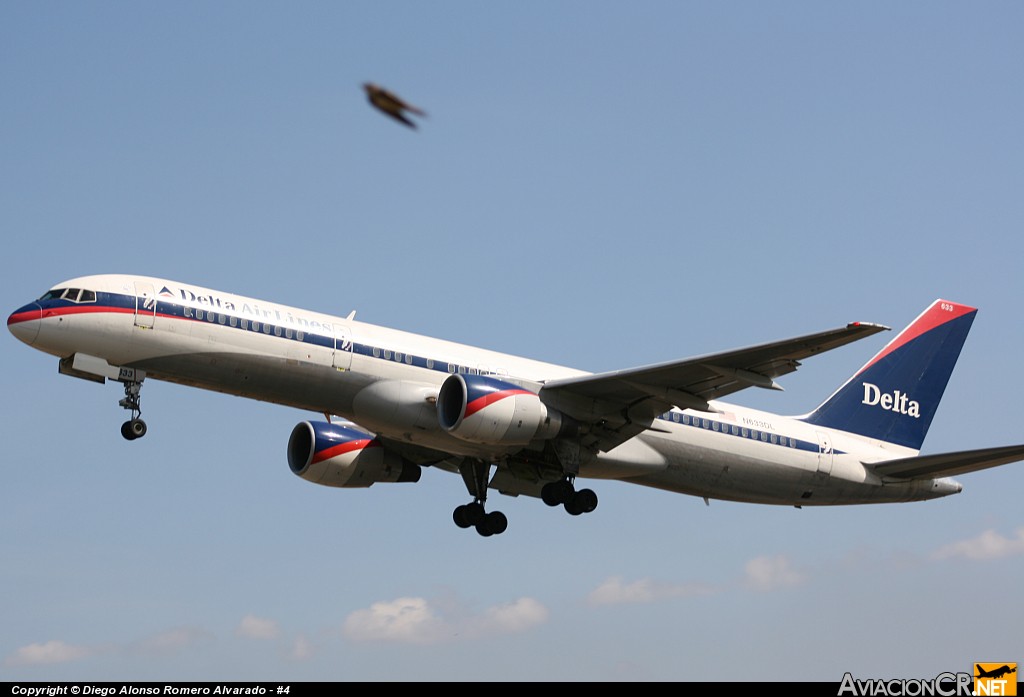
x=894, y=397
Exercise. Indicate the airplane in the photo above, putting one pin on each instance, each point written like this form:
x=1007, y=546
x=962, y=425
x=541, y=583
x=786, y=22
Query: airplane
x=996, y=673
x=396, y=402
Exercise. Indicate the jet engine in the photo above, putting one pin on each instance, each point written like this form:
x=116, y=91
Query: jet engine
x=342, y=456
x=486, y=410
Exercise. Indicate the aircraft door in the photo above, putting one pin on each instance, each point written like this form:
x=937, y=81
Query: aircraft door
x=145, y=305
x=342, y=358
x=824, y=454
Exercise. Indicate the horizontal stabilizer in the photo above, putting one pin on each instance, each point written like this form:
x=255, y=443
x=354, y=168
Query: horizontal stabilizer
x=948, y=464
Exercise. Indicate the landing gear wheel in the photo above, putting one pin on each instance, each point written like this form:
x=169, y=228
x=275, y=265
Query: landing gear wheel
x=557, y=493
x=476, y=473
x=496, y=522
x=468, y=515
x=493, y=523
x=583, y=501
x=459, y=516
x=135, y=428
x=586, y=499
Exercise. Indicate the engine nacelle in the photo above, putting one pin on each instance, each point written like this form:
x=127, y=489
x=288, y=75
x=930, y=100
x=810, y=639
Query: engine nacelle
x=336, y=455
x=490, y=411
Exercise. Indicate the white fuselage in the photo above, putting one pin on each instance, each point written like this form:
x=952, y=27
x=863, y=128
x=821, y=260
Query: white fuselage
x=326, y=364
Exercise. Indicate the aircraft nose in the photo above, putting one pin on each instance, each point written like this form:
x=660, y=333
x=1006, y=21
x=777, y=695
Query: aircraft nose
x=24, y=322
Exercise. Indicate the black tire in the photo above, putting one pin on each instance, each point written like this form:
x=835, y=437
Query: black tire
x=550, y=494
x=482, y=528
x=459, y=516
x=573, y=505
x=557, y=493
x=137, y=427
x=496, y=522
x=586, y=499
x=474, y=512
x=126, y=431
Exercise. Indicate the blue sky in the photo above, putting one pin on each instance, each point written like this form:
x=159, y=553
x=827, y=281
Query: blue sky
x=596, y=185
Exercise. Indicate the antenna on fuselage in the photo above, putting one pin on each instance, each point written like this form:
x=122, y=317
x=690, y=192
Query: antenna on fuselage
x=351, y=316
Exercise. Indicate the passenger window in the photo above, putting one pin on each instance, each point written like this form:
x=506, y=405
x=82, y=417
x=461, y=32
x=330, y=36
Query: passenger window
x=714, y=425
x=430, y=363
x=398, y=356
x=408, y=359
x=222, y=319
x=233, y=321
x=387, y=354
x=266, y=328
x=376, y=352
x=288, y=332
x=277, y=330
x=746, y=434
x=199, y=314
x=255, y=326
x=686, y=419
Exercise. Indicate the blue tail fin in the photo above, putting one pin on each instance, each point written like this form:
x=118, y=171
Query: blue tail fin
x=894, y=397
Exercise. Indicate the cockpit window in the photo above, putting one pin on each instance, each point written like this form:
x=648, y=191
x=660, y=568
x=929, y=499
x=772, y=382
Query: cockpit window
x=75, y=295
x=54, y=294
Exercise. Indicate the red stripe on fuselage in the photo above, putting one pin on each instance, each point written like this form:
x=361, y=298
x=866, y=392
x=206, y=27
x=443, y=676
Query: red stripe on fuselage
x=490, y=398
x=941, y=312
x=20, y=317
x=342, y=448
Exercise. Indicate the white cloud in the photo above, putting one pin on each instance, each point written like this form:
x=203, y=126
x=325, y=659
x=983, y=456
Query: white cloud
x=514, y=617
x=615, y=591
x=771, y=573
x=416, y=621
x=987, y=545
x=253, y=627
x=53, y=651
x=302, y=649
x=404, y=619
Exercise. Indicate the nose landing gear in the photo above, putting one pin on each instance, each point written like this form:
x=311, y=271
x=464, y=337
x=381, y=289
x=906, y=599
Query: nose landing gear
x=134, y=427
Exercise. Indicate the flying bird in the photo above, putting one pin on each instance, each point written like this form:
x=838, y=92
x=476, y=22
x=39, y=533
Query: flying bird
x=390, y=104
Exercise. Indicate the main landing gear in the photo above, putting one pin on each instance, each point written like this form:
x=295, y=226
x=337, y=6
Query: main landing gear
x=474, y=515
x=134, y=427
x=563, y=493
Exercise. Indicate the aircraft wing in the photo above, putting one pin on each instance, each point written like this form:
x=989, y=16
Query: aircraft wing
x=948, y=464
x=623, y=403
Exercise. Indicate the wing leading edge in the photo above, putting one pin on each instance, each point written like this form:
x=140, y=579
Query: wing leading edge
x=623, y=403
